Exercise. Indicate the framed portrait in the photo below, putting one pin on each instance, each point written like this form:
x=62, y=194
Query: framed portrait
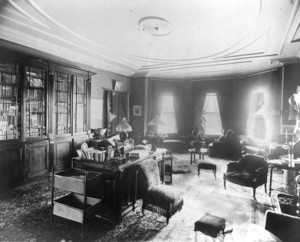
x=137, y=110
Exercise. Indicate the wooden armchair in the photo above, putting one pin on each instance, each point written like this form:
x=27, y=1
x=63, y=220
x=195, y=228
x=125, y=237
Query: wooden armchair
x=250, y=171
x=162, y=199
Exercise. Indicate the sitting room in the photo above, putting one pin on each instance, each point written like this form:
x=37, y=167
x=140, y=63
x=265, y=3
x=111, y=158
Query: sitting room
x=150, y=121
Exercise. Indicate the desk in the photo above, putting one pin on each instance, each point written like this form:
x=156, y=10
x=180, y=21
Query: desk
x=201, y=152
x=121, y=178
x=281, y=164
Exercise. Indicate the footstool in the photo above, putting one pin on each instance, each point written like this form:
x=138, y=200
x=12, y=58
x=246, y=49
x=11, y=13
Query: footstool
x=213, y=225
x=207, y=166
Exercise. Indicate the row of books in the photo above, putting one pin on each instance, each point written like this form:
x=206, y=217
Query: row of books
x=92, y=154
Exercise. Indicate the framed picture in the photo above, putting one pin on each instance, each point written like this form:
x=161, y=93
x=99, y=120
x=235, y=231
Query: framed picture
x=137, y=110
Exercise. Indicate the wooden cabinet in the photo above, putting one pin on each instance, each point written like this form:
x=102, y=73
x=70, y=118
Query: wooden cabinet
x=76, y=205
x=11, y=163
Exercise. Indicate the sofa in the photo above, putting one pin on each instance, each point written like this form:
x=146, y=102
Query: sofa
x=174, y=142
x=227, y=146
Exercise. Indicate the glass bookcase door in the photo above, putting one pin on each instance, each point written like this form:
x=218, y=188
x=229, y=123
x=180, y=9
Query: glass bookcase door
x=80, y=102
x=10, y=118
x=62, y=103
x=35, y=102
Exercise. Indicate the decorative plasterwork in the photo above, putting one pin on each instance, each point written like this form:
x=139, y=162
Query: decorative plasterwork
x=113, y=36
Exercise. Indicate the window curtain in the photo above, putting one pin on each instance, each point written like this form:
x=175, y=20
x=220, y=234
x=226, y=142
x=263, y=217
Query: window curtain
x=198, y=107
x=115, y=109
x=256, y=124
x=225, y=107
x=179, y=111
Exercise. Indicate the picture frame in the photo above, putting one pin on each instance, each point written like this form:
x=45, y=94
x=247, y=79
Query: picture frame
x=137, y=110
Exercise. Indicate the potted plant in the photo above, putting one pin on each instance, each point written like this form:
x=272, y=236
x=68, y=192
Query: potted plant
x=198, y=132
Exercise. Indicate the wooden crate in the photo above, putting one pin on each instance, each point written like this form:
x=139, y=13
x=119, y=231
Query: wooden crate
x=71, y=207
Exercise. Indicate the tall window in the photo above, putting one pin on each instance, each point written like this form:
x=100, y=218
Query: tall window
x=167, y=115
x=211, y=114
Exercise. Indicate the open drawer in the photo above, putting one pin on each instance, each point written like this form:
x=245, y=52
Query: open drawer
x=73, y=180
x=71, y=207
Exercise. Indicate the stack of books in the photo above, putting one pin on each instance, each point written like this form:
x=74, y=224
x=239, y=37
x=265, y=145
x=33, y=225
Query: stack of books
x=92, y=154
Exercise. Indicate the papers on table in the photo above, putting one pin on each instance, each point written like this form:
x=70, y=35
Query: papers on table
x=138, y=154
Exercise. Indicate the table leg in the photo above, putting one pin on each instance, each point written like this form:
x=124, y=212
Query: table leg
x=270, y=182
x=191, y=157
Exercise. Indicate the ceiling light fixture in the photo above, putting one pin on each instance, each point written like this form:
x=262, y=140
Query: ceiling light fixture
x=155, y=26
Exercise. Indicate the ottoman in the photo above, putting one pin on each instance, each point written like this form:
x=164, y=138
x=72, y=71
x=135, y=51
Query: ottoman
x=212, y=225
x=207, y=166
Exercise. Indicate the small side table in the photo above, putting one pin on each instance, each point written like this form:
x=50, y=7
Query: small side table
x=201, y=152
x=282, y=164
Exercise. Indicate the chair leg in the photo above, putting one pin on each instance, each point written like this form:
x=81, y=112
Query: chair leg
x=143, y=208
x=254, y=191
x=168, y=215
x=265, y=187
x=225, y=183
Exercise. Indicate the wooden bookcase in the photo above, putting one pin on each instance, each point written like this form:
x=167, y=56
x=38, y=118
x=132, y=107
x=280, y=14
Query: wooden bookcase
x=10, y=119
x=44, y=116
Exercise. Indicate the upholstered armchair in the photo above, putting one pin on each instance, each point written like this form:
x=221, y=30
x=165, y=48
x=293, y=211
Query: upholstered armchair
x=226, y=147
x=157, y=197
x=250, y=171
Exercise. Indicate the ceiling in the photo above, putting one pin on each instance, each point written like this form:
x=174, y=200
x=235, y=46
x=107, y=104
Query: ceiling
x=169, y=39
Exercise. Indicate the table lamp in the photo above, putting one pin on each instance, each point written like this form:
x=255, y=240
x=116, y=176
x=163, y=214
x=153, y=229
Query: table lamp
x=156, y=122
x=123, y=128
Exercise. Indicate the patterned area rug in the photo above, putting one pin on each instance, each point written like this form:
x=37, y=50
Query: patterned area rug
x=25, y=212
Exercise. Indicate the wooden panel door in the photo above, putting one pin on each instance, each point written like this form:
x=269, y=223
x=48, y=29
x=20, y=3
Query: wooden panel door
x=11, y=163
x=37, y=157
x=63, y=151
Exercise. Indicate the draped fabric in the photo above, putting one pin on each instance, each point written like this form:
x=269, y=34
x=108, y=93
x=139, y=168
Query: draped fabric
x=225, y=106
x=200, y=99
x=115, y=109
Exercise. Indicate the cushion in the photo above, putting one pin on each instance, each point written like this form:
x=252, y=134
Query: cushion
x=210, y=225
x=162, y=196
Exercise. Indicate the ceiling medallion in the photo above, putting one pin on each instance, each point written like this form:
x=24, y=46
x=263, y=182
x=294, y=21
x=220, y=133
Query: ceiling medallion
x=155, y=26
